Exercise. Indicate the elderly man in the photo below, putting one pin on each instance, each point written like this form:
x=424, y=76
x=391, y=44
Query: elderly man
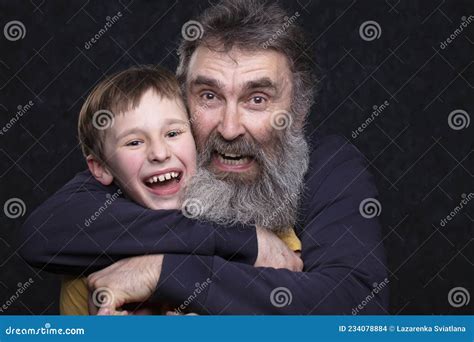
x=249, y=89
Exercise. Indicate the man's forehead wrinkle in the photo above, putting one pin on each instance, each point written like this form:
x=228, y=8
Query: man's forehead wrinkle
x=284, y=80
x=233, y=87
x=262, y=83
x=209, y=81
x=234, y=72
x=233, y=59
x=254, y=73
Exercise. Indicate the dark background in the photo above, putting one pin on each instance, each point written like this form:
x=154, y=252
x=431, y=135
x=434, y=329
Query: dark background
x=421, y=165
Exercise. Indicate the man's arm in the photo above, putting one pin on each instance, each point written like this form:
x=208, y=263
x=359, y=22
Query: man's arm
x=85, y=226
x=343, y=255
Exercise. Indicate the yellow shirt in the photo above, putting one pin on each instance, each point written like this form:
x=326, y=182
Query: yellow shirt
x=74, y=291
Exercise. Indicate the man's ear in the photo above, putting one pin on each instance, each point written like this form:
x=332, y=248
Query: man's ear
x=99, y=170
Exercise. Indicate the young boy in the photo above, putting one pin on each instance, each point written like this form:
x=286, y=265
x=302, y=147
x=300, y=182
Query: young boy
x=134, y=131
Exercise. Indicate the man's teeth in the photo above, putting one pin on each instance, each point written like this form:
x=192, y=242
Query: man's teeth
x=242, y=160
x=232, y=155
x=163, y=177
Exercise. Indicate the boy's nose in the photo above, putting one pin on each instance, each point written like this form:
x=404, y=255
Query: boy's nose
x=159, y=152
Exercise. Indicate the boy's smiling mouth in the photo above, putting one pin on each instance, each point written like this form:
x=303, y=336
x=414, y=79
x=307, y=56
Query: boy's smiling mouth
x=165, y=182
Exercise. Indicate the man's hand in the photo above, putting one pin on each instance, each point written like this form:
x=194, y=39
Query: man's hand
x=272, y=252
x=131, y=280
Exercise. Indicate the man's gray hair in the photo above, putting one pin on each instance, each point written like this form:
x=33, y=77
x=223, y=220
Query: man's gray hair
x=256, y=25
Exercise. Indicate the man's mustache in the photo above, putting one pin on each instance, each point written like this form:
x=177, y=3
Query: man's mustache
x=242, y=146
x=269, y=199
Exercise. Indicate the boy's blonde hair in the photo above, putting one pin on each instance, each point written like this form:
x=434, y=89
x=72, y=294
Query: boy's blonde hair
x=115, y=95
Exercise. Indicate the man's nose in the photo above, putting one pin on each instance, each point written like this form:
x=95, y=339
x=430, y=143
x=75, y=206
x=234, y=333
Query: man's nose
x=230, y=126
x=159, y=152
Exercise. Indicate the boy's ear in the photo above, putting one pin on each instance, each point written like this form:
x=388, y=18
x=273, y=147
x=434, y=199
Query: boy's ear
x=99, y=170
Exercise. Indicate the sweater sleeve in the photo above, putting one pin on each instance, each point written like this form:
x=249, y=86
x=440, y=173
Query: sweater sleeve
x=86, y=226
x=344, y=262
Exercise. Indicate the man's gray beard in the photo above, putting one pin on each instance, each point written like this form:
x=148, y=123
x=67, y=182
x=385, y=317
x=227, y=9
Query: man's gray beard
x=269, y=201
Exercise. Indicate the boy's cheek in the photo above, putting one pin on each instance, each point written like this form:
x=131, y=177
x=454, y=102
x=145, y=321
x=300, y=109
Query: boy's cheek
x=129, y=163
x=188, y=153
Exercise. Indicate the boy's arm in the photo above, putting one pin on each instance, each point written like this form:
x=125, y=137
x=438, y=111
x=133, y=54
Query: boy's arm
x=85, y=226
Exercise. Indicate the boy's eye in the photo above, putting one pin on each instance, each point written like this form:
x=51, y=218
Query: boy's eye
x=134, y=143
x=174, y=133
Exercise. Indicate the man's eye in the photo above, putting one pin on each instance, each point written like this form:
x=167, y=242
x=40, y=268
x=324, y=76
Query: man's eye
x=258, y=100
x=134, y=143
x=208, y=96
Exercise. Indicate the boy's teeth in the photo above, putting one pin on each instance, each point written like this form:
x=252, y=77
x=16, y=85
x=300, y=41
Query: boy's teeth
x=163, y=177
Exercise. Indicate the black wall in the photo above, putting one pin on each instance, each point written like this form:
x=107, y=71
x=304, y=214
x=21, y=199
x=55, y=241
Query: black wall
x=422, y=165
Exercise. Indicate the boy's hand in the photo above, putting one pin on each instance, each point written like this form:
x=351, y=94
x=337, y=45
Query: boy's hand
x=131, y=280
x=273, y=252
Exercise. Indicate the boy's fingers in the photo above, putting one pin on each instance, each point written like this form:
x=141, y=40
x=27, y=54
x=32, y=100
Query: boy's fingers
x=103, y=312
x=107, y=310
